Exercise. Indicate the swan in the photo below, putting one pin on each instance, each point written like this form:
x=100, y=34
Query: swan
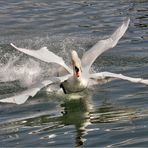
x=79, y=77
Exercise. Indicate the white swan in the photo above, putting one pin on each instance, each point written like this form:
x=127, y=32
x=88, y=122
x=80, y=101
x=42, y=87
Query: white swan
x=80, y=77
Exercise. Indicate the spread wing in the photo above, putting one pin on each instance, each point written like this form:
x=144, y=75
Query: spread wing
x=32, y=91
x=44, y=55
x=103, y=45
x=103, y=75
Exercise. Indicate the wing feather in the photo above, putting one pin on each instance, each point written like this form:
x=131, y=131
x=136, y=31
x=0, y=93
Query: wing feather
x=45, y=55
x=103, y=75
x=103, y=45
x=30, y=92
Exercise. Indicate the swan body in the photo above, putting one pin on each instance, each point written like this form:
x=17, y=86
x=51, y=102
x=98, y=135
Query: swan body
x=78, y=78
x=74, y=85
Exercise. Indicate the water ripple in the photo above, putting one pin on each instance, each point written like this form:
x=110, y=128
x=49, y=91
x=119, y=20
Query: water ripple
x=111, y=115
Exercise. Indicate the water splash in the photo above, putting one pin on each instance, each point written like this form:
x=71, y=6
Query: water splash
x=28, y=70
x=27, y=73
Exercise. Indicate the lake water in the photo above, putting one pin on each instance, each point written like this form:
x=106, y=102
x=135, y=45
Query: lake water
x=114, y=114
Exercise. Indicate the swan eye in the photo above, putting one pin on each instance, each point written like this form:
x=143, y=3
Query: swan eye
x=76, y=69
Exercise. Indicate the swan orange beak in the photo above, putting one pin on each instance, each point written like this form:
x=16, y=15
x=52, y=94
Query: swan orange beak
x=77, y=72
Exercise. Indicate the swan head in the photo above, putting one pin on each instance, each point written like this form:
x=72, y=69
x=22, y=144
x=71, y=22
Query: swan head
x=76, y=62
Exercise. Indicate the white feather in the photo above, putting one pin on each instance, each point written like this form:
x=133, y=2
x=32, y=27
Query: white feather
x=30, y=92
x=70, y=82
x=45, y=55
x=90, y=56
x=103, y=75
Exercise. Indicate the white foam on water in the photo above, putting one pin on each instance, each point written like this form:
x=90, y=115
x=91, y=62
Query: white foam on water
x=27, y=73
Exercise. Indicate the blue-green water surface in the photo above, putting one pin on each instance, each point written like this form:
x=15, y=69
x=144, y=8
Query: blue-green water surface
x=114, y=114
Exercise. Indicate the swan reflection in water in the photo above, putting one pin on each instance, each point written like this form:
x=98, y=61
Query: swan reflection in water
x=77, y=118
x=82, y=114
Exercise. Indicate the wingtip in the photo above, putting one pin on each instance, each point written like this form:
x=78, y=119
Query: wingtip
x=127, y=21
x=12, y=45
x=7, y=101
x=12, y=100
